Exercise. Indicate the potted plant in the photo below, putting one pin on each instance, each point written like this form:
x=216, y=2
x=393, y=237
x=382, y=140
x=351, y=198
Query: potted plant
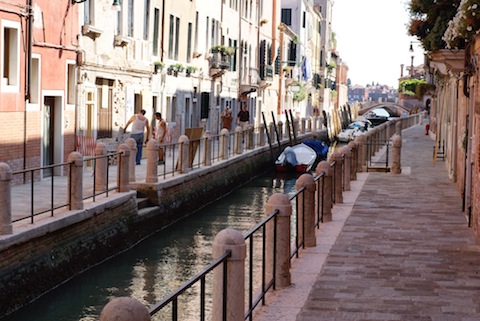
x=190, y=70
x=223, y=50
x=158, y=66
x=175, y=69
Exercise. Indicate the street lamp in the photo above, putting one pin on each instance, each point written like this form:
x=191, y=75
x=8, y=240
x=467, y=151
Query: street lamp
x=411, y=52
x=115, y=5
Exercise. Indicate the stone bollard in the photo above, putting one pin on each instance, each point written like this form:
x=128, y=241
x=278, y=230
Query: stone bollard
x=6, y=197
x=183, y=153
x=280, y=130
x=362, y=153
x=337, y=177
x=152, y=161
x=249, y=137
x=124, y=309
x=353, y=163
x=207, y=148
x=281, y=202
x=314, y=124
x=224, y=143
x=326, y=190
x=306, y=210
x=398, y=128
x=75, y=181
x=261, y=135
x=123, y=168
x=347, y=161
x=271, y=131
x=396, y=154
x=229, y=240
x=101, y=167
x=131, y=166
x=303, y=125
x=238, y=140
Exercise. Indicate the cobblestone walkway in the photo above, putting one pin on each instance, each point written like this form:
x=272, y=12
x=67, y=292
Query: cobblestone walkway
x=404, y=252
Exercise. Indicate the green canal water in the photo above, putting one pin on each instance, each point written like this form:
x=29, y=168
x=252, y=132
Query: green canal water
x=161, y=263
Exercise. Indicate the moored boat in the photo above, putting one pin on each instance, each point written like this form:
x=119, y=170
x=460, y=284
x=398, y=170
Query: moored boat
x=301, y=158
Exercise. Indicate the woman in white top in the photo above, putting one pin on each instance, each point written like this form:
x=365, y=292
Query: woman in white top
x=139, y=122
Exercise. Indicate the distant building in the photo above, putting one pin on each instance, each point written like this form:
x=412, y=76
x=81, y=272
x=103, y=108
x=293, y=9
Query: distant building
x=357, y=93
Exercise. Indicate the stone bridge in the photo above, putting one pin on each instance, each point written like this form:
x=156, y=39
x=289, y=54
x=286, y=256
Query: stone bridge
x=395, y=110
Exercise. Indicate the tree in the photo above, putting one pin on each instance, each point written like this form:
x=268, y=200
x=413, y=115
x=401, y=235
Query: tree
x=429, y=21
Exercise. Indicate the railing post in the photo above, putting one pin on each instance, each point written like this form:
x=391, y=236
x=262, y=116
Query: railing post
x=347, y=161
x=124, y=309
x=396, y=154
x=238, y=145
x=131, y=166
x=101, y=167
x=183, y=153
x=123, y=168
x=249, y=137
x=224, y=142
x=303, y=125
x=354, y=160
x=261, y=135
x=152, y=161
x=207, y=148
x=6, y=197
x=338, y=182
x=362, y=153
x=326, y=194
x=313, y=127
x=229, y=240
x=75, y=181
x=306, y=209
x=398, y=128
x=281, y=202
x=280, y=130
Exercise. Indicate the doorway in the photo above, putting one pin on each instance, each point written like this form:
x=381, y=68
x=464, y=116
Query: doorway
x=52, y=135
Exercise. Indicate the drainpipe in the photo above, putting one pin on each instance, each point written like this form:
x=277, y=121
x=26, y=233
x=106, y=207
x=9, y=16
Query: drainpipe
x=28, y=77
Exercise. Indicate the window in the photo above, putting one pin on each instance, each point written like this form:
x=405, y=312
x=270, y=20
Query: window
x=287, y=16
x=196, y=31
x=11, y=56
x=189, y=42
x=71, y=83
x=120, y=21
x=146, y=21
x=130, y=22
x=35, y=81
x=173, y=40
x=104, y=103
x=89, y=12
x=156, y=25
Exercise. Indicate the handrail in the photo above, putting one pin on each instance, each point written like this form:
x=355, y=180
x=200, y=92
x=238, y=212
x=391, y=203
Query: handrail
x=172, y=298
x=52, y=207
x=108, y=189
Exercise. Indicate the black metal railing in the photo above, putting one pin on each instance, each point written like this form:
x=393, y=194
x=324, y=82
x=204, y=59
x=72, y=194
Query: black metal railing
x=380, y=163
x=56, y=199
x=92, y=191
x=265, y=285
x=199, y=277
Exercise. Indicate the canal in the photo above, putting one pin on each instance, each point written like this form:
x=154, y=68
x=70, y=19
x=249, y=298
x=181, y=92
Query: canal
x=159, y=264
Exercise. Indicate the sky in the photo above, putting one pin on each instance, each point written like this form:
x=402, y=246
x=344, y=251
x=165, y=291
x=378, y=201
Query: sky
x=372, y=40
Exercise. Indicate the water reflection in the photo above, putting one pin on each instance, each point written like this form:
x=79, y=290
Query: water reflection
x=160, y=264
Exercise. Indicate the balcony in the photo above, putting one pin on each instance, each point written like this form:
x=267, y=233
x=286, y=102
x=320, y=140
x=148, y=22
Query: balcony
x=219, y=61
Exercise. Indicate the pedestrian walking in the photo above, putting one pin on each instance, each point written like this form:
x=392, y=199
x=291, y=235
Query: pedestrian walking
x=160, y=132
x=139, y=123
x=227, y=119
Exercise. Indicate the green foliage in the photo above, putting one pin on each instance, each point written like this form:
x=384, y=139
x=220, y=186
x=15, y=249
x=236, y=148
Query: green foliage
x=429, y=20
x=423, y=88
x=409, y=87
x=224, y=50
x=301, y=94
